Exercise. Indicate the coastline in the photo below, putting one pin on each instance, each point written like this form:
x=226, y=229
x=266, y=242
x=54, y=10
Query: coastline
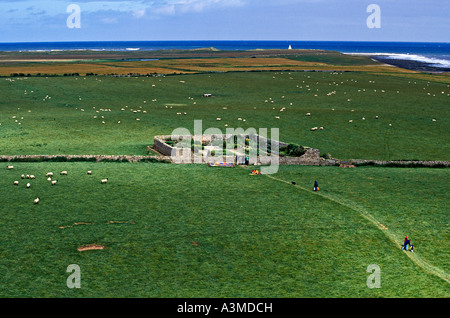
x=410, y=64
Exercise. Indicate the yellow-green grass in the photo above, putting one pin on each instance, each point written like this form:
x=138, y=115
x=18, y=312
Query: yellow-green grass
x=194, y=231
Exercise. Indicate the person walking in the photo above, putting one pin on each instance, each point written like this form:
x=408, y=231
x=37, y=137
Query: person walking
x=406, y=243
x=316, y=186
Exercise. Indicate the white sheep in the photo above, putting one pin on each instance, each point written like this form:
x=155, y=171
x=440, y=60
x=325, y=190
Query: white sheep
x=308, y=114
x=10, y=167
x=22, y=176
x=104, y=180
x=32, y=176
x=54, y=182
x=36, y=201
x=89, y=172
x=49, y=174
x=49, y=179
x=28, y=185
x=16, y=182
x=64, y=173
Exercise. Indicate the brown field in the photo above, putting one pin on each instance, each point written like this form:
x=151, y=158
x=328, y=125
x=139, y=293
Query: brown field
x=185, y=66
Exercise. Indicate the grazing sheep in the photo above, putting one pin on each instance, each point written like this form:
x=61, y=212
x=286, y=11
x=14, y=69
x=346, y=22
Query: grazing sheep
x=89, y=172
x=32, y=176
x=321, y=128
x=16, y=182
x=49, y=179
x=104, y=180
x=36, y=201
x=22, y=176
x=54, y=182
x=28, y=185
x=49, y=174
x=314, y=129
x=10, y=167
x=433, y=119
x=308, y=114
x=64, y=173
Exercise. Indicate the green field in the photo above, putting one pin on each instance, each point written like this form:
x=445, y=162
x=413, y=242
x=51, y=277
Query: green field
x=194, y=231
x=62, y=120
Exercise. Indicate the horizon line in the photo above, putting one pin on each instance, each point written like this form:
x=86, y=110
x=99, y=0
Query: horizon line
x=96, y=41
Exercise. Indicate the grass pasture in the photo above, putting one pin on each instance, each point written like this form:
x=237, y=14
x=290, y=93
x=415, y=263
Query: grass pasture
x=175, y=232
x=62, y=114
x=194, y=231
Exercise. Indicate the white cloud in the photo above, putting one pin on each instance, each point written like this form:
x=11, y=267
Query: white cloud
x=138, y=13
x=109, y=20
x=171, y=7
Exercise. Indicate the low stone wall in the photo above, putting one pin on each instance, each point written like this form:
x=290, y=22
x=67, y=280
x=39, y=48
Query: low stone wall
x=310, y=158
x=401, y=162
x=81, y=158
x=160, y=145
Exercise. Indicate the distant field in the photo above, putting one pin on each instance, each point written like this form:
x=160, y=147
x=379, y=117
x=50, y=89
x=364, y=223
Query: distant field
x=173, y=231
x=62, y=114
x=183, y=62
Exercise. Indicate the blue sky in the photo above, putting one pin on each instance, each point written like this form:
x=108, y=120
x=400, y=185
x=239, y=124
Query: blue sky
x=296, y=20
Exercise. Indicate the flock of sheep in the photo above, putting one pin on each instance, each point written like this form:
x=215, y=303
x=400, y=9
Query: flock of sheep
x=49, y=177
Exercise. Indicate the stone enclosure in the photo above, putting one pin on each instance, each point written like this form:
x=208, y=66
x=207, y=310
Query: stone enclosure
x=186, y=156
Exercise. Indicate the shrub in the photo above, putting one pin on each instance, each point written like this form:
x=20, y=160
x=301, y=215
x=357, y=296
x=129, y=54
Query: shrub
x=293, y=150
x=154, y=160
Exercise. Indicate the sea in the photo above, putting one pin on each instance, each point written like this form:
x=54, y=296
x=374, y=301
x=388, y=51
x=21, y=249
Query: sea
x=433, y=54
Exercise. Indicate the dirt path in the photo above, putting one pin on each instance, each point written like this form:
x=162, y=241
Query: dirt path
x=419, y=261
